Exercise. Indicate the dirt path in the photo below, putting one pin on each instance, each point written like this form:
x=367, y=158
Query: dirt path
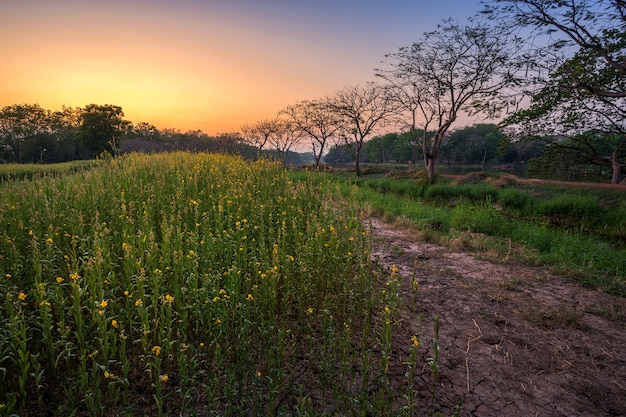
x=515, y=340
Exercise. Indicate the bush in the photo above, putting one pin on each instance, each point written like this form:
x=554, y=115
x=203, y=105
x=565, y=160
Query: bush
x=472, y=192
x=515, y=200
x=568, y=209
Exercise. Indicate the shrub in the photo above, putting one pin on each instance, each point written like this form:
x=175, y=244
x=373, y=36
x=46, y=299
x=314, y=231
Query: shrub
x=515, y=200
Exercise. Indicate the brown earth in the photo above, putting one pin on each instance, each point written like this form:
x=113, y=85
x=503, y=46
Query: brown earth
x=514, y=340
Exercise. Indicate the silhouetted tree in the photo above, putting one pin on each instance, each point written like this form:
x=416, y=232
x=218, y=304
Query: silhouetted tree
x=102, y=128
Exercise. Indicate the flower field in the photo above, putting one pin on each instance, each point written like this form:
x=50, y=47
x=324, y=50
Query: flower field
x=188, y=284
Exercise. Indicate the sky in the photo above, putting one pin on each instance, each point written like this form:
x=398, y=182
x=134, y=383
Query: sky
x=202, y=64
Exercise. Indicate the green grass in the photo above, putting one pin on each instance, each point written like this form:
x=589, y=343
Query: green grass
x=579, y=233
x=191, y=284
x=9, y=172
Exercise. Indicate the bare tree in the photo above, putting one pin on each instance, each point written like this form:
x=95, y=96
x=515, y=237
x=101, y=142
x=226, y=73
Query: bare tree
x=361, y=110
x=258, y=134
x=452, y=70
x=315, y=120
x=285, y=135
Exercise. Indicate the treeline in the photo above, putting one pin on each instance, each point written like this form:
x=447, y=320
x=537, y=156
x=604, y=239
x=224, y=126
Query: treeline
x=484, y=145
x=481, y=144
x=32, y=134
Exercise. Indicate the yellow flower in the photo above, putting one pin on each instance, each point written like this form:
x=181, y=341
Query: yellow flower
x=201, y=344
x=22, y=296
x=104, y=304
x=60, y=280
x=30, y=232
x=250, y=297
x=163, y=378
x=49, y=240
x=7, y=275
x=258, y=374
x=100, y=312
x=222, y=291
x=168, y=299
x=156, y=350
x=114, y=324
x=415, y=341
x=44, y=303
x=138, y=302
x=74, y=276
x=107, y=375
x=310, y=310
x=387, y=310
x=394, y=269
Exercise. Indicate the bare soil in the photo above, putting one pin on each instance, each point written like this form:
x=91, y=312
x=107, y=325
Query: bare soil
x=514, y=340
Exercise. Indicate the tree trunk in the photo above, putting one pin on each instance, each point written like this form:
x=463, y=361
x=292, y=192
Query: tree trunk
x=318, y=157
x=430, y=168
x=357, y=166
x=617, y=167
x=482, y=166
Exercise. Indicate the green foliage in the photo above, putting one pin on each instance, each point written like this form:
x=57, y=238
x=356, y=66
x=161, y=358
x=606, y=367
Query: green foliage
x=409, y=188
x=515, y=200
x=583, y=157
x=10, y=172
x=444, y=192
x=102, y=128
x=578, y=209
x=476, y=144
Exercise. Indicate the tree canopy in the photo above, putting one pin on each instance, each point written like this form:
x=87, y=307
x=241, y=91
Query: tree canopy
x=578, y=87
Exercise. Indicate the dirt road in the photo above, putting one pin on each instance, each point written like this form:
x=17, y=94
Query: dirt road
x=515, y=340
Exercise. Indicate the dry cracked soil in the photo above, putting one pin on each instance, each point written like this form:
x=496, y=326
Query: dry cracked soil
x=514, y=340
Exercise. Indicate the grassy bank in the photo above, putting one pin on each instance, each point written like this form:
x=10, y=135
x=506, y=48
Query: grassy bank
x=580, y=233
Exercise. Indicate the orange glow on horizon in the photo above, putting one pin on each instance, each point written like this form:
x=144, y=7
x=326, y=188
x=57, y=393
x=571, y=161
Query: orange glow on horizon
x=190, y=65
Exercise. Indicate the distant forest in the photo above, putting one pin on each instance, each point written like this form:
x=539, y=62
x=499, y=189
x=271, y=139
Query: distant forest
x=31, y=134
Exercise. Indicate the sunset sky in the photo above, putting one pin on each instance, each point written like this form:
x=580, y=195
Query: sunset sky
x=202, y=64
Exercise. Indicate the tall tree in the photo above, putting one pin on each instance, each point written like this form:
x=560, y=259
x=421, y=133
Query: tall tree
x=362, y=110
x=102, y=128
x=579, y=82
x=20, y=123
x=315, y=120
x=452, y=70
x=65, y=124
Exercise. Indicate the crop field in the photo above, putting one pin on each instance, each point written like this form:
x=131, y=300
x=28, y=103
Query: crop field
x=190, y=284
